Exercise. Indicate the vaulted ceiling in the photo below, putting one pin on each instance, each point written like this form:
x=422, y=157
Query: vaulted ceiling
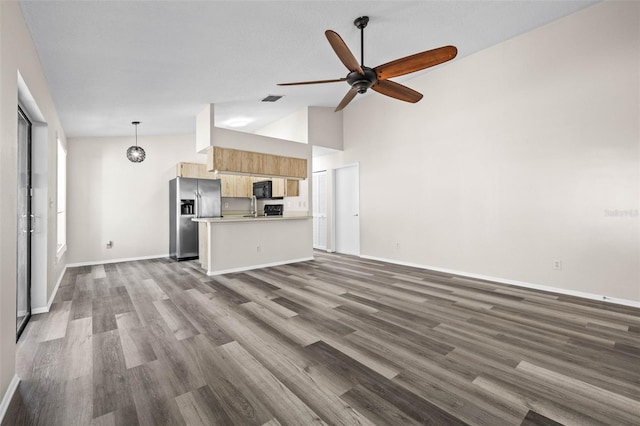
x=161, y=62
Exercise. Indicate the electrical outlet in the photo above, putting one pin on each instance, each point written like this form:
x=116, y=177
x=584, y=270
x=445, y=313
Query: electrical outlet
x=226, y=205
x=109, y=244
x=397, y=246
x=258, y=248
x=557, y=265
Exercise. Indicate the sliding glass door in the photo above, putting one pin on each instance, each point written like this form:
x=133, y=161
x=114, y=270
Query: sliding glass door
x=25, y=224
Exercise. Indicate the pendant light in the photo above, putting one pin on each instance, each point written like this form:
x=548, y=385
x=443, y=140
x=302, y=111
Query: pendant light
x=136, y=154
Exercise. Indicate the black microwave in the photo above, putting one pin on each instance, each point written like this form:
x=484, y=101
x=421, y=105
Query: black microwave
x=263, y=189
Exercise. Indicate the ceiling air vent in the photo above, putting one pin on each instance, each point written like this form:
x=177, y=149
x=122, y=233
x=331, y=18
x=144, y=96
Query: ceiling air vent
x=271, y=98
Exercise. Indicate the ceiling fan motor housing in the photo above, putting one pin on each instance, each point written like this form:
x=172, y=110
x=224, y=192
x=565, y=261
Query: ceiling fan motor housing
x=362, y=82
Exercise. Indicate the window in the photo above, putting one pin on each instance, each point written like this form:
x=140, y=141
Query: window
x=62, y=199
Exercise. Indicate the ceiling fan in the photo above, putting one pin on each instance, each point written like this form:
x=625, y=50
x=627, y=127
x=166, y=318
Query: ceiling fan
x=361, y=77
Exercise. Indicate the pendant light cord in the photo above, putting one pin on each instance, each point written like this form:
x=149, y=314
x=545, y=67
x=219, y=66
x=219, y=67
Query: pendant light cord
x=135, y=123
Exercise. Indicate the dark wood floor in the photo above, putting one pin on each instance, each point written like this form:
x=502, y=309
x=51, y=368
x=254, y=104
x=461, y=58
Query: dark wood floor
x=337, y=340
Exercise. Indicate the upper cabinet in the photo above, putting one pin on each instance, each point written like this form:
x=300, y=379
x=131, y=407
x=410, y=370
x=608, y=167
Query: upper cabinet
x=194, y=170
x=255, y=163
x=292, y=188
x=238, y=185
x=278, y=187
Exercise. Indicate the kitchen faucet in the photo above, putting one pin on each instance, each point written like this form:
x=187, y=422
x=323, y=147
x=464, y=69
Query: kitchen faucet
x=254, y=206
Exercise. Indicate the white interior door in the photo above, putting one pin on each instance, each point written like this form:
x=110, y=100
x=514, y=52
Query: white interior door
x=320, y=210
x=347, y=207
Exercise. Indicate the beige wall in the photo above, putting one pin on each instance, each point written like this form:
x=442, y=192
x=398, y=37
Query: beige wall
x=113, y=199
x=293, y=127
x=325, y=127
x=517, y=156
x=17, y=54
x=318, y=126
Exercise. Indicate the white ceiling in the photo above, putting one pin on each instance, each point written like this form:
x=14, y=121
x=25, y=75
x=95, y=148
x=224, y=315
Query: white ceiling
x=161, y=62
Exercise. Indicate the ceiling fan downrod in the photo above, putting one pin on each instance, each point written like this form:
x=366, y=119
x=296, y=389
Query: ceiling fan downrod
x=361, y=24
x=364, y=81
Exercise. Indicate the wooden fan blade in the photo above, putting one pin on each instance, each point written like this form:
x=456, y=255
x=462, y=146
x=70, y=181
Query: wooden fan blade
x=343, y=52
x=398, y=91
x=347, y=98
x=416, y=62
x=313, y=82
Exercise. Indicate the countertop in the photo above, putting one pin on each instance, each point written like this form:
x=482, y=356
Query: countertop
x=235, y=218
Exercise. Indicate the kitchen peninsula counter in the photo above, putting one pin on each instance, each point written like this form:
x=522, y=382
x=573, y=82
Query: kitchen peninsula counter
x=237, y=243
x=237, y=218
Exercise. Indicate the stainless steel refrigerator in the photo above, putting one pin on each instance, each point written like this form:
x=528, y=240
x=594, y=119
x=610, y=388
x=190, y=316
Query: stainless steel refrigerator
x=190, y=198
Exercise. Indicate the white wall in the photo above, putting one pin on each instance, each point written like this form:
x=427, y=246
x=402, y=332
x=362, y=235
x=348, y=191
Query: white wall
x=325, y=127
x=113, y=199
x=319, y=126
x=233, y=139
x=293, y=127
x=204, y=128
x=18, y=55
x=516, y=157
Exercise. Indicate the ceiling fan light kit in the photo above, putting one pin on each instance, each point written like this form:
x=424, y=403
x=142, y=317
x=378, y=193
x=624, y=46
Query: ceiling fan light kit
x=362, y=78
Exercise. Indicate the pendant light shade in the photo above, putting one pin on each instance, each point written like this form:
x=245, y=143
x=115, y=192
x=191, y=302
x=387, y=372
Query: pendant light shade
x=135, y=153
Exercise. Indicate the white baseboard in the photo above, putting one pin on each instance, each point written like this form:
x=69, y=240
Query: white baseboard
x=45, y=309
x=8, y=395
x=557, y=290
x=104, y=262
x=264, y=265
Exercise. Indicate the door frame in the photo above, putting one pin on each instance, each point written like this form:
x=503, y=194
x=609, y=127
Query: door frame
x=334, y=203
x=29, y=226
x=327, y=190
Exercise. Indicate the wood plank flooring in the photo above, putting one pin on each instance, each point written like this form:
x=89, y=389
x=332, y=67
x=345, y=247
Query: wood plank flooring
x=338, y=340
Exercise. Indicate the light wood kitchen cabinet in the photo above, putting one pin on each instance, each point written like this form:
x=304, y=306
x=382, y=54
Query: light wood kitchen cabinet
x=255, y=163
x=236, y=185
x=194, y=170
x=233, y=185
x=227, y=185
x=187, y=170
x=244, y=186
x=292, y=188
x=278, y=187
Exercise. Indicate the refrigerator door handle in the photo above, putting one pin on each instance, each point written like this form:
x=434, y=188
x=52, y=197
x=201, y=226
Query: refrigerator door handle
x=196, y=202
